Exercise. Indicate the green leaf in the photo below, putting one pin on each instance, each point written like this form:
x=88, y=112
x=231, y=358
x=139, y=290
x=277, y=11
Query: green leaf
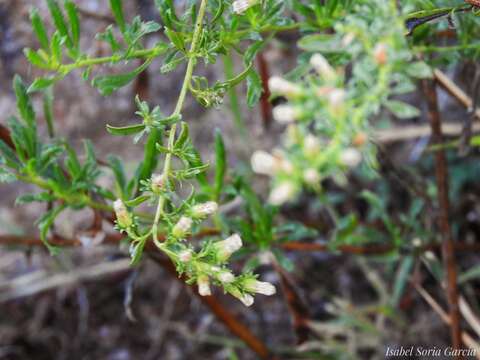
x=183, y=137
x=402, y=110
x=254, y=88
x=150, y=157
x=136, y=251
x=6, y=176
x=23, y=102
x=45, y=223
x=125, y=130
x=72, y=13
x=110, y=83
x=59, y=21
x=48, y=111
x=36, y=59
x=401, y=279
x=471, y=274
x=320, y=43
x=56, y=47
x=117, y=10
x=220, y=163
x=41, y=83
x=120, y=178
x=29, y=198
x=176, y=39
x=419, y=70
x=39, y=28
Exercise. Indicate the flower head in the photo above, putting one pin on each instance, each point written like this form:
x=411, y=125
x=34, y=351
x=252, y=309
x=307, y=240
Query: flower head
x=284, y=114
x=283, y=87
x=260, y=287
x=311, y=176
x=380, y=54
x=225, y=276
x=282, y=193
x=124, y=219
x=201, y=211
x=322, y=67
x=182, y=227
x=158, y=183
x=263, y=163
x=185, y=255
x=204, y=285
x=240, y=6
x=227, y=247
x=311, y=145
x=351, y=157
x=244, y=297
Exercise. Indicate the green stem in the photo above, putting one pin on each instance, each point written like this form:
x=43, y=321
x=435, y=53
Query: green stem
x=137, y=54
x=192, y=59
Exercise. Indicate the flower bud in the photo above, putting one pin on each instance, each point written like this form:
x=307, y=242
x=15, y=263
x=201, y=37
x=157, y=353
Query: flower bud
x=336, y=99
x=311, y=146
x=284, y=87
x=263, y=163
x=260, y=287
x=227, y=247
x=240, y=6
x=348, y=39
x=225, y=276
x=245, y=298
x=351, y=157
x=185, y=255
x=201, y=211
x=182, y=227
x=380, y=54
x=284, y=114
x=322, y=67
x=282, y=193
x=359, y=139
x=203, y=284
x=124, y=219
x=158, y=183
x=311, y=176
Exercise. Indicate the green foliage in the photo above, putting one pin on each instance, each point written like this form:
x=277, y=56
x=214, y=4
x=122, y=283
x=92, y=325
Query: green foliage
x=355, y=62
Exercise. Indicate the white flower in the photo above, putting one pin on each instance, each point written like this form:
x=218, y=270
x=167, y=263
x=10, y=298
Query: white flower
x=225, y=276
x=182, y=227
x=282, y=193
x=201, y=211
x=284, y=87
x=246, y=299
x=204, y=285
x=347, y=39
x=263, y=163
x=227, y=247
x=158, y=183
x=240, y=6
x=284, y=114
x=351, y=157
x=124, y=219
x=311, y=176
x=322, y=67
x=336, y=99
x=185, y=255
x=260, y=287
x=311, y=145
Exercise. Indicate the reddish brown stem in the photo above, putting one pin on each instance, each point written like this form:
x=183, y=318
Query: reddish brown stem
x=448, y=248
x=265, y=106
x=222, y=314
x=299, y=311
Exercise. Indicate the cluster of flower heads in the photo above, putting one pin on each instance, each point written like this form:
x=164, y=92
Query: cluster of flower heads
x=204, y=267
x=310, y=154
